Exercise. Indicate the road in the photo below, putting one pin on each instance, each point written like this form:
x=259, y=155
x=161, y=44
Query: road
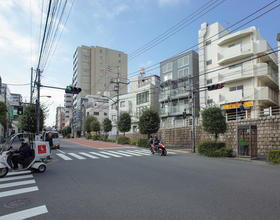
x=127, y=183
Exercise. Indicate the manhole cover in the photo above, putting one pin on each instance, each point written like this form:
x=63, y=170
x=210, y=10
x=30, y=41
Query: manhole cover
x=17, y=203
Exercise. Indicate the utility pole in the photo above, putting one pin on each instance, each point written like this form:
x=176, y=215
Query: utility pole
x=38, y=109
x=31, y=86
x=193, y=121
x=118, y=100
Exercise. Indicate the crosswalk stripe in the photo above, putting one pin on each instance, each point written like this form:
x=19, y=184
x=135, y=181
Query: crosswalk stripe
x=77, y=156
x=18, y=172
x=100, y=155
x=113, y=155
x=132, y=153
x=64, y=157
x=18, y=191
x=28, y=213
x=141, y=151
x=88, y=155
x=26, y=182
x=16, y=178
x=120, y=153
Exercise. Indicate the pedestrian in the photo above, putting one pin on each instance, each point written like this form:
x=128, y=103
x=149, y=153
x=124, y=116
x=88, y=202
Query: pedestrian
x=50, y=140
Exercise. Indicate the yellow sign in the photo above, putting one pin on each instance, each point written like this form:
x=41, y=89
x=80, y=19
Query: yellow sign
x=237, y=105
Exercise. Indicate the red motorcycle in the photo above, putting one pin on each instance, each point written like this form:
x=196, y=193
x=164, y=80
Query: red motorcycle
x=158, y=148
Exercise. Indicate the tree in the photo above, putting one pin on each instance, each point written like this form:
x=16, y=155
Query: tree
x=66, y=131
x=213, y=121
x=149, y=122
x=87, y=125
x=124, y=122
x=95, y=125
x=27, y=121
x=107, y=125
x=3, y=114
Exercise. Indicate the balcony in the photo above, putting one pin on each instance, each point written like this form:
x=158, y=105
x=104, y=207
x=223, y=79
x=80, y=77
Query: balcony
x=262, y=47
x=174, y=93
x=174, y=110
x=266, y=73
x=235, y=36
x=266, y=94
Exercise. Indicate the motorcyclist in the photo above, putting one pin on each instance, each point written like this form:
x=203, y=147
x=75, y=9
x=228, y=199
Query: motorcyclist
x=22, y=155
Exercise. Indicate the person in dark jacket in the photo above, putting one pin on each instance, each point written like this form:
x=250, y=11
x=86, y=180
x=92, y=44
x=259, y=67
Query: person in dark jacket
x=23, y=155
x=50, y=139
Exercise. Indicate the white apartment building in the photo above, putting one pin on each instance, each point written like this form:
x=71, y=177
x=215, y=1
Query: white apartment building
x=60, y=118
x=278, y=44
x=253, y=83
x=94, y=68
x=143, y=94
x=68, y=105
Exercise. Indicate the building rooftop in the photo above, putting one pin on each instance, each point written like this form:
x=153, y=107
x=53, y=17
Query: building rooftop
x=278, y=37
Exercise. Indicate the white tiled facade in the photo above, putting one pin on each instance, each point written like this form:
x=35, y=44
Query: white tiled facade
x=68, y=105
x=254, y=83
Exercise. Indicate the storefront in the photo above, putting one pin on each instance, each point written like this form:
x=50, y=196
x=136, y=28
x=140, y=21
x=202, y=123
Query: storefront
x=239, y=110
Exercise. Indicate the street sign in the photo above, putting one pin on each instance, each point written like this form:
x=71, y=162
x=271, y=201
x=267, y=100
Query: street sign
x=11, y=113
x=237, y=105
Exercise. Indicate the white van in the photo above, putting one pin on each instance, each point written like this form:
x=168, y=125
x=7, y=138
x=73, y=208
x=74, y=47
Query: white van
x=55, y=137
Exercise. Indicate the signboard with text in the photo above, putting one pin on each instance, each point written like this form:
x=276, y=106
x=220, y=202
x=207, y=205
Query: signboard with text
x=237, y=105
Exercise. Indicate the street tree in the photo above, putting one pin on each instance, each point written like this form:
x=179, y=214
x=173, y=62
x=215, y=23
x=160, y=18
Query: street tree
x=3, y=114
x=95, y=126
x=213, y=121
x=87, y=125
x=149, y=122
x=107, y=125
x=124, y=122
x=27, y=121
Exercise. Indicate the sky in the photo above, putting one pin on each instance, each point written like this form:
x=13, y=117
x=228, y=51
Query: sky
x=124, y=25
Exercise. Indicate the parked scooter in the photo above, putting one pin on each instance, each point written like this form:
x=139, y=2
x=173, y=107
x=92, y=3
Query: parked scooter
x=158, y=148
x=37, y=161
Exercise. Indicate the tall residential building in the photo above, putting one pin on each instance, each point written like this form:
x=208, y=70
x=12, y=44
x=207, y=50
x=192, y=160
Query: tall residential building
x=278, y=44
x=94, y=68
x=68, y=105
x=60, y=118
x=179, y=78
x=143, y=94
x=228, y=58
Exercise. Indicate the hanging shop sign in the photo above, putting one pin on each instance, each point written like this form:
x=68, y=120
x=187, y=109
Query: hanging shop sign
x=237, y=105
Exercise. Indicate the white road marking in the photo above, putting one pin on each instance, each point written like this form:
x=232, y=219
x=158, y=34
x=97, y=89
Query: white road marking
x=26, y=182
x=60, y=151
x=18, y=191
x=28, y=213
x=113, y=155
x=18, y=173
x=88, y=155
x=16, y=178
x=100, y=155
x=77, y=156
x=141, y=151
x=64, y=157
x=171, y=152
x=132, y=153
x=120, y=153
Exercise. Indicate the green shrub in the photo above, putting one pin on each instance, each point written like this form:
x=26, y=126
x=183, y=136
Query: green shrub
x=143, y=143
x=88, y=136
x=96, y=137
x=133, y=142
x=214, y=149
x=123, y=140
x=274, y=156
x=110, y=140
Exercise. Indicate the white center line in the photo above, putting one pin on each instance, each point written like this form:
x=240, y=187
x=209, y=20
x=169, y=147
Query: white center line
x=77, y=156
x=26, y=182
x=18, y=191
x=64, y=157
x=18, y=173
x=100, y=155
x=113, y=155
x=16, y=178
x=28, y=213
x=88, y=155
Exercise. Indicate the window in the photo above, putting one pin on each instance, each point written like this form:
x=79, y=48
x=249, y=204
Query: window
x=114, y=117
x=208, y=42
x=167, y=76
x=234, y=88
x=122, y=103
x=95, y=113
x=167, y=67
x=183, y=61
x=234, y=44
x=142, y=98
x=235, y=65
x=239, y=87
x=209, y=81
x=183, y=72
x=208, y=62
x=105, y=114
x=209, y=101
x=140, y=110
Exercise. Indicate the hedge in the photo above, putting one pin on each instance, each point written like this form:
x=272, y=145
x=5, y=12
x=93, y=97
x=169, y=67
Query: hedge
x=133, y=142
x=274, y=156
x=214, y=149
x=123, y=140
x=143, y=143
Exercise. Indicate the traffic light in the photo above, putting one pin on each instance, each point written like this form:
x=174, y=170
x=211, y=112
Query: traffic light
x=20, y=110
x=215, y=86
x=72, y=90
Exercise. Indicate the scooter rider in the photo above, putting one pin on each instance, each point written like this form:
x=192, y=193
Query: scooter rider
x=22, y=155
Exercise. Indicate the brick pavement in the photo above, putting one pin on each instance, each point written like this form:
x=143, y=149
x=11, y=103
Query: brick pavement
x=96, y=144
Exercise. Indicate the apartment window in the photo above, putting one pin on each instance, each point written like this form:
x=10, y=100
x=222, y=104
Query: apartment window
x=167, y=67
x=239, y=87
x=208, y=42
x=142, y=98
x=105, y=114
x=95, y=113
x=234, y=88
x=208, y=62
x=167, y=76
x=209, y=101
x=233, y=44
x=209, y=81
x=183, y=72
x=235, y=65
x=114, y=117
x=122, y=103
x=183, y=61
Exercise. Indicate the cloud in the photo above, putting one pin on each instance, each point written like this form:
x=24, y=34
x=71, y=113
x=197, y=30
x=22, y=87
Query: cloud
x=164, y=3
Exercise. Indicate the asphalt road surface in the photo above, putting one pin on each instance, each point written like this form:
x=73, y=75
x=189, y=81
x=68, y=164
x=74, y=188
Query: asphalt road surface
x=129, y=183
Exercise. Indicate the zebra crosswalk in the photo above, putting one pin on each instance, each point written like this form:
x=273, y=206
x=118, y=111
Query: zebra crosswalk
x=104, y=154
x=18, y=183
